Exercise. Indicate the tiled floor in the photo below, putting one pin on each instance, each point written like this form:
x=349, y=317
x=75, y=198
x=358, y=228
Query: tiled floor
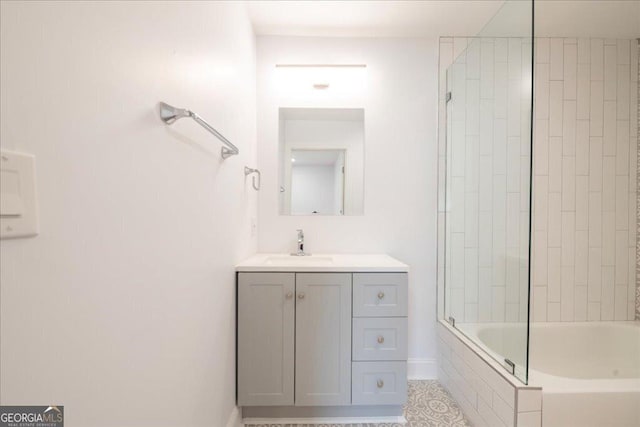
x=429, y=405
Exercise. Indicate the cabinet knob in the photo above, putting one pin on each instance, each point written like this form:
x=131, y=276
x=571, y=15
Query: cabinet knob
x=301, y=295
x=380, y=295
x=380, y=339
x=380, y=384
x=289, y=295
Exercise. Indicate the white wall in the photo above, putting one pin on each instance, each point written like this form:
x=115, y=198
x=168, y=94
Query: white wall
x=347, y=135
x=338, y=183
x=122, y=309
x=400, y=102
x=312, y=189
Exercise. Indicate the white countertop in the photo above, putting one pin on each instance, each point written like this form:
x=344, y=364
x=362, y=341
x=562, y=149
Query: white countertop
x=323, y=263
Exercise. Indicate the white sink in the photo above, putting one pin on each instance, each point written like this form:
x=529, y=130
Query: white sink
x=285, y=260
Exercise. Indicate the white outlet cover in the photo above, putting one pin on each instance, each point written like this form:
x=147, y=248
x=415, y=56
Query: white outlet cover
x=18, y=204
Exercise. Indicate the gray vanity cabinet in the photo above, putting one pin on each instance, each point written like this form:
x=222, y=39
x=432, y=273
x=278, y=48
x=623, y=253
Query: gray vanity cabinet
x=266, y=324
x=336, y=340
x=323, y=339
x=270, y=307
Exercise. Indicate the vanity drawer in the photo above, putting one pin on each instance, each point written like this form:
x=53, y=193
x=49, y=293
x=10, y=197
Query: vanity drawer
x=379, y=383
x=379, y=294
x=379, y=338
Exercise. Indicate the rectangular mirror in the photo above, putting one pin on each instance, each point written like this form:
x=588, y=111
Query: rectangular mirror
x=321, y=160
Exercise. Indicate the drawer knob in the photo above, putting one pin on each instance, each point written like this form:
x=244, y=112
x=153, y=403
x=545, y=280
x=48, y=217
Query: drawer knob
x=380, y=295
x=380, y=384
x=380, y=339
x=301, y=295
x=289, y=295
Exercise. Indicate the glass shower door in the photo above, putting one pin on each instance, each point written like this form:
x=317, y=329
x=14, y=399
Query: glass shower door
x=488, y=186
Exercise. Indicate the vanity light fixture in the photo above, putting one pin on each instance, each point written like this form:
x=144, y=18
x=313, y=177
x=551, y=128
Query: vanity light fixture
x=322, y=84
x=321, y=66
x=293, y=160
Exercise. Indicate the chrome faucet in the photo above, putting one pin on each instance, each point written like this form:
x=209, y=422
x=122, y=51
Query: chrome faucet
x=300, y=251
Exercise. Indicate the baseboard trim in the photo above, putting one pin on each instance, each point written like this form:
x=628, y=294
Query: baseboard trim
x=422, y=369
x=327, y=420
x=235, y=418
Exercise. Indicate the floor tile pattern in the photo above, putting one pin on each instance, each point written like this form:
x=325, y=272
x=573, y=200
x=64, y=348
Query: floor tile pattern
x=428, y=405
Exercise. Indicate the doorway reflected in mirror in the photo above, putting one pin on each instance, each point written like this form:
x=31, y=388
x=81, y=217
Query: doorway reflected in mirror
x=321, y=159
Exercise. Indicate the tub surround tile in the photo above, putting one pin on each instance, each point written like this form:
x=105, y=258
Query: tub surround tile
x=583, y=90
x=620, y=302
x=610, y=71
x=556, y=57
x=597, y=59
x=621, y=259
x=542, y=90
x=597, y=106
x=567, y=294
x=555, y=107
x=623, y=91
x=609, y=128
x=584, y=50
x=608, y=238
x=635, y=100
x=580, y=309
x=553, y=312
x=632, y=228
x=504, y=411
x=570, y=70
x=555, y=215
x=582, y=147
x=595, y=165
x=529, y=400
x=586, y=156
x=539, y=303
x=593, y=311
x=488, y=415
x=554, y=275
x=481, y=388
x=586, y=191
x=633, y=291
x=530, y=419
x=608, y=289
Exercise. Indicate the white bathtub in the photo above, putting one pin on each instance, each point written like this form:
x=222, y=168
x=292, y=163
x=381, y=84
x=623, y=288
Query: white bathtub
x=589, y=371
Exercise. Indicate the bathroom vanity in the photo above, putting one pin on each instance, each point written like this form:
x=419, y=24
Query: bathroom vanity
x=322, y=336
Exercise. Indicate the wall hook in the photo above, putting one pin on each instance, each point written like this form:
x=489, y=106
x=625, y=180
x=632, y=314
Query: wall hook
x=249, y=171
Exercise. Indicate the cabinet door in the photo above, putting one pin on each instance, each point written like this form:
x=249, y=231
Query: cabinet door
x=323, y=339
x=265, y=338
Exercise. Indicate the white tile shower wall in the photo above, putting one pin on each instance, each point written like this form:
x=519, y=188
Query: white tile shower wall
x=585, y=180
x=488, y=160
x=485, y=396
x=584, y=183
